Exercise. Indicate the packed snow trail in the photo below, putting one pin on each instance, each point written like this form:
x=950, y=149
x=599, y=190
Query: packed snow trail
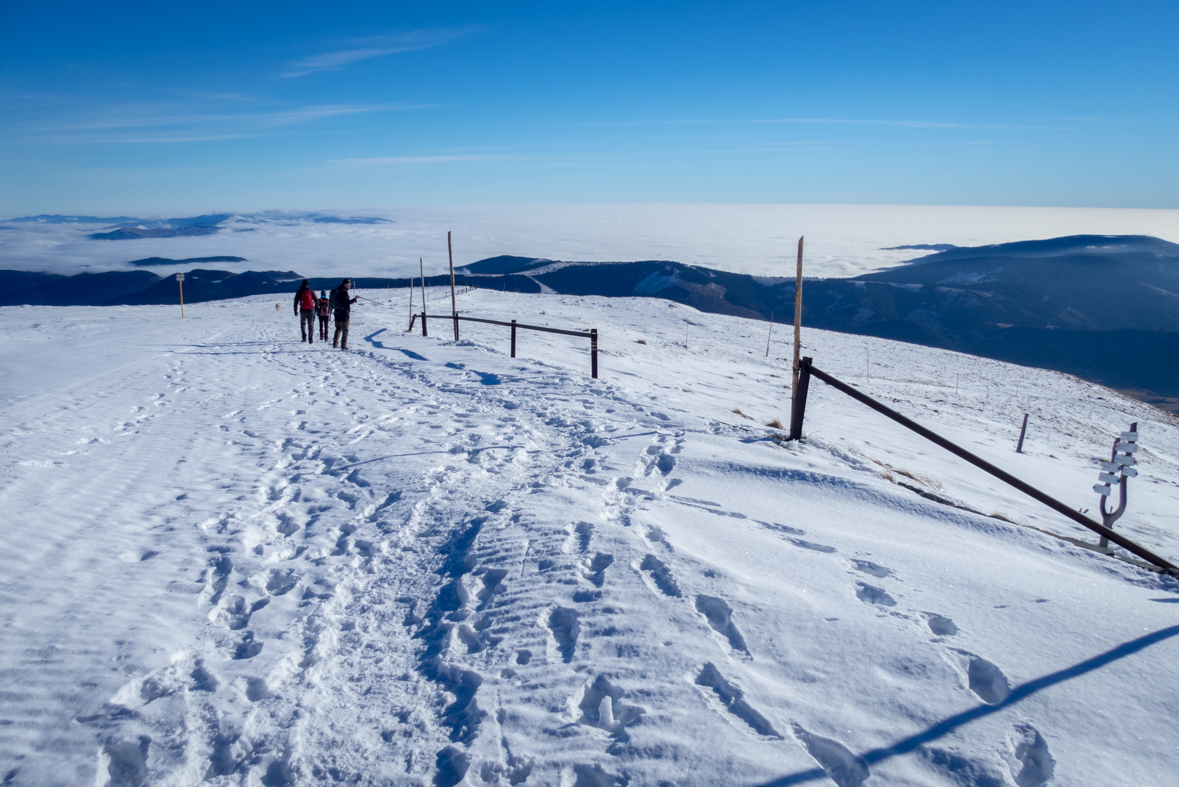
x=243, y=560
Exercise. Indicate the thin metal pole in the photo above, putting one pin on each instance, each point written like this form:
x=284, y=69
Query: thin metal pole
x=453, y=305
x=513, y=338
x=411, y=303
x=180, y=281
x=422, y=270
x=424, y=331
x=1003, y=476
x=770, y=334
x=1022, y=431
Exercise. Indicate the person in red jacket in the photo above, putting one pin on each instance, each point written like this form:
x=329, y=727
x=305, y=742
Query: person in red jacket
x=305, y=311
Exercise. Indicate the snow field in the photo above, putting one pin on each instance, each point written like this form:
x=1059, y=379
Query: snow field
x=236, y=559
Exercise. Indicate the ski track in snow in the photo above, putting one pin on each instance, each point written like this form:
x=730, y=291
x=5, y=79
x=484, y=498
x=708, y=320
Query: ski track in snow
x=238, y=560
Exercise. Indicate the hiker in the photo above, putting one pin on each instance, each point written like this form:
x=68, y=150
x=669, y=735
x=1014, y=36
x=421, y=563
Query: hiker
x=322, y=311
x=305, y=311
x=342, y=305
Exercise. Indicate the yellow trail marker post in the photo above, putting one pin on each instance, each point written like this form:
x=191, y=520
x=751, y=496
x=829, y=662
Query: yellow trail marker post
x=180, y=283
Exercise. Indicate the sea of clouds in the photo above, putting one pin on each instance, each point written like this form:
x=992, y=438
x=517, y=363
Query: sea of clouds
x=841, y=240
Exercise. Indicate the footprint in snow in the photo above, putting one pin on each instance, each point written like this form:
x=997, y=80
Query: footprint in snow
x=870, y=594
x=660, y=575
x=125, y=762
x=987, y=681
x=841, y=765
x=492, y=583
x=940, y=625
x=579, y=538
x=565, y=628
x=595, y=568
x=246, y=647
x=720, y=617
x=600, y=705
x=873, y=569
x=1032, y=765
x=733, y=700
x=798, y=542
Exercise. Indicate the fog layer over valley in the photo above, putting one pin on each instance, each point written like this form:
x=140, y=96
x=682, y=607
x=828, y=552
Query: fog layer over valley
x=842, y=240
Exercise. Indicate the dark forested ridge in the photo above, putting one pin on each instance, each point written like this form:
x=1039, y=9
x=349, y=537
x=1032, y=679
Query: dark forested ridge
x=1105, y=308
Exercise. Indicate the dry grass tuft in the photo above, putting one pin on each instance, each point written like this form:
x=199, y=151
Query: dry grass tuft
x=743, y=415
x=924, y=480
x=775, y=424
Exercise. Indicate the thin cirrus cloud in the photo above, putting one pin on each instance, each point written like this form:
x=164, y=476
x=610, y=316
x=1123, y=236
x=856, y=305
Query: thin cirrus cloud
x=384, y=161
x=164, y=127
x=376, y=46
x=919, y=124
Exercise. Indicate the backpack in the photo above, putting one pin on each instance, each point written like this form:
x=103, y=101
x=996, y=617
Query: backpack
x=307, y=300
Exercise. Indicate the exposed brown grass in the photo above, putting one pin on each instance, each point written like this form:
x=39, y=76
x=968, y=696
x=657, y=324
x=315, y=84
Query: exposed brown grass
x=924, y=480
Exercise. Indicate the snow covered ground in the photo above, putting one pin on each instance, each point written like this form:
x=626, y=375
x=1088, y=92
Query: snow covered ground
x=232, y=558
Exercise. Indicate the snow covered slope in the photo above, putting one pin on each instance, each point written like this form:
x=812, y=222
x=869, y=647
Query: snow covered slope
x=231, y=558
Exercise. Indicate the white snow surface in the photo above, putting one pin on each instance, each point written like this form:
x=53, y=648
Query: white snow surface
x=233, y=558
x=759, y=239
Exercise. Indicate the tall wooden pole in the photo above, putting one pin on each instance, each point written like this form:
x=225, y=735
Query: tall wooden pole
x=410, y=328
x=422, y=269
x=180, y=282
x=453, y=304
x=797, y=324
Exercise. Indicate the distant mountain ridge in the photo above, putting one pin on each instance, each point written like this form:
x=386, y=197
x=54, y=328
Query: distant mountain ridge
x=1070, y=245
x=1105, y=308
x=153, y=261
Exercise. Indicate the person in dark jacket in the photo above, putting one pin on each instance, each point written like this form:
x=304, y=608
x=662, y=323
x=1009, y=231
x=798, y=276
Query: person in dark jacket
x=305, y=311
x=342, y=305
x=323, y=313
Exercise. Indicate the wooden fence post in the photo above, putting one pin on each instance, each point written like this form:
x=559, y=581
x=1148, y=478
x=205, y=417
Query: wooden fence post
x=453, y=305
x=424, y=331
x=770, y=335
x=1022, y=431
x=797, y=344
x=594, y=353
x=513, y=338
x=798, y=410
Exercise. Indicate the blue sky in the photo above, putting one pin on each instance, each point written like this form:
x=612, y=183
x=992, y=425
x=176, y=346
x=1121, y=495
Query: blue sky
x=183, y=108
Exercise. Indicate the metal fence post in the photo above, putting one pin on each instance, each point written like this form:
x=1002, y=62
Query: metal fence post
x=1022, y=431
x=594, y=353
x=513, y=338
x=424, y=331
x=798, y=408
